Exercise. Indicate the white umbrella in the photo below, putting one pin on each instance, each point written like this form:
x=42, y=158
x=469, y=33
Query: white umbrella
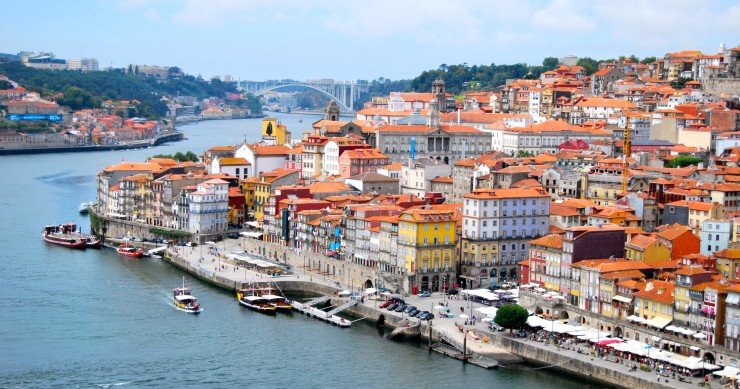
x=210, y=242
x=486, y=319
x=344, y=293
x=385, y=294
x=370, y=290
x=438, y=307
x=464, y=316
x=699, y=336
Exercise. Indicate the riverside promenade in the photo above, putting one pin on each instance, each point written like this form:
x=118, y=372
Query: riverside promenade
x=215, y=267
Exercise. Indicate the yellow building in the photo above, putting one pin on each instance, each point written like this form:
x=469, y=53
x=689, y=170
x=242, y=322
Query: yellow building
x=426, y=242
x=248, y=188
x=275, y=133
x=728, y=263
x=546, y=103
x=266, y=184
x=686, y=278
x=646, y=248
x=654, y=304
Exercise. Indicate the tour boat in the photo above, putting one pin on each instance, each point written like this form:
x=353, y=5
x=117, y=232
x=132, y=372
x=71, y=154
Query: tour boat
x=280, y=303
x=84, y=208
x=65, y=235
x=184, y=300
x=255, y=303
x=130, y=251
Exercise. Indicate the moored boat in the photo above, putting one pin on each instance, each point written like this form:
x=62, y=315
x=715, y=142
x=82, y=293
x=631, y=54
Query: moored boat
x=84, y=208
x=65, y=235
x=130, y=251
x=184, y=300
x=255, y=303
x=280, y=303
x=92, y=241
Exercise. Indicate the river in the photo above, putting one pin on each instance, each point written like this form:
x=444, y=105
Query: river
x=97, y=319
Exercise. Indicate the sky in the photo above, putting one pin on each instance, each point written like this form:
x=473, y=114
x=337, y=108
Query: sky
x=353, y=39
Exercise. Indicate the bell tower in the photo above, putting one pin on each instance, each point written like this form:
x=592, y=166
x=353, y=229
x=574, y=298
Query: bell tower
x=332, y=112
x=439, y=90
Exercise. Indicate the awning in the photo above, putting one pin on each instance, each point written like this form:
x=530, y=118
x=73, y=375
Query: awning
x=659, y=322
x=622, y=299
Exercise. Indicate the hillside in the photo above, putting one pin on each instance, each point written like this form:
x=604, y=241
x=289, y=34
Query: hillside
x=88, y=90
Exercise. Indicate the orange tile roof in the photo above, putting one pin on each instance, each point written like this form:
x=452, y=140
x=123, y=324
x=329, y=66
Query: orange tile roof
x=674, y=231
x=270, y=150
x=233, y=161
x=656, y=290
x=513, y=193
x=553, y=241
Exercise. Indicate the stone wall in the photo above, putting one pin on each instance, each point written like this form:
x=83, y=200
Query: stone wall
x=349, y=275
x=601, y=375
x=721, y=85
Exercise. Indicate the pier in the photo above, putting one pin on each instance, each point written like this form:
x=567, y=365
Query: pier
x=322, y=315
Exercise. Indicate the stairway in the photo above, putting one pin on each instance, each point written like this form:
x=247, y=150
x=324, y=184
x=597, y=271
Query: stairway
x=342, y=307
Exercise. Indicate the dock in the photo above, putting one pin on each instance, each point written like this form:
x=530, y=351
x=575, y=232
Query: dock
x=310, y=311
x=449, y=351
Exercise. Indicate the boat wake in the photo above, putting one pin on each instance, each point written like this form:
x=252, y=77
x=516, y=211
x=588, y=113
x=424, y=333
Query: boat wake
x=185, y=310
x=106, y=386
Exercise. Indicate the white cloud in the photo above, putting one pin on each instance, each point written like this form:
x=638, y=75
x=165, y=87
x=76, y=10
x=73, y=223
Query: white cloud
x=562, y=16
x=216, y=12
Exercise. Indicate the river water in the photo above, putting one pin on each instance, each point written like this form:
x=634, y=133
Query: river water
x=96, y=319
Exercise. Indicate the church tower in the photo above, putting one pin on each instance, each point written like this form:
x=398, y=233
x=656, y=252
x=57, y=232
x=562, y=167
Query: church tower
x=332, y=111
x=439, y=90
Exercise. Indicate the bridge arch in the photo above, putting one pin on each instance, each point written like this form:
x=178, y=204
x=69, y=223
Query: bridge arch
x=339, y=102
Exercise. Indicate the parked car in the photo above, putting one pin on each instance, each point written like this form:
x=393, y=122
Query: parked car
x=392, y=307
x=428, y=316
x=233, y=235
x=400, y=308
x=409, y=309
x=420, y=314
x=453, y=292
x=413, y=312
x=386, y=304
x=425, y=293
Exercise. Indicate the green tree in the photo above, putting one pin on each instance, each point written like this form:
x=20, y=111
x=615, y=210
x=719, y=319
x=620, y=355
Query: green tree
x=648, y=60
x=679, y=83
x=550, y=63
x=511, y=316
x=589, y=64
x=683, y=161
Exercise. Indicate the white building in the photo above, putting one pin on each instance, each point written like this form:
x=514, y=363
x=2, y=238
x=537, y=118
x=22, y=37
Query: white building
x=263, y=158
x=417, y=175
x=542, y=137
x=208, y=208
x=237, y=167
x=715, y=235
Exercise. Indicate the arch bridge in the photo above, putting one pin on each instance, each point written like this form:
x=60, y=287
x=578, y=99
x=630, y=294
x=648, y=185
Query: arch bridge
x=345, y=93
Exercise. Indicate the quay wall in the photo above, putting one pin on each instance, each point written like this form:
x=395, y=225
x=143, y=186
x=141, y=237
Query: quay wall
x=591, y=372
x=349, y=274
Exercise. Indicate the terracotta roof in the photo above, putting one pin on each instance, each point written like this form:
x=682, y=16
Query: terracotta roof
x=233, y=161
x=513, y=193
x=553, y=241
x=674, y=231
x=656, y=290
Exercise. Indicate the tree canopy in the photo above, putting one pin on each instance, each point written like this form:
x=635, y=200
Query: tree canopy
x=511, y=316
x=87, y=90
x=683, y=161
x=179, y=157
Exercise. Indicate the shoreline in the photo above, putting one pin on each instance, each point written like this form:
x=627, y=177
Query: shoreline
x=171, y=136
x=497, y=346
